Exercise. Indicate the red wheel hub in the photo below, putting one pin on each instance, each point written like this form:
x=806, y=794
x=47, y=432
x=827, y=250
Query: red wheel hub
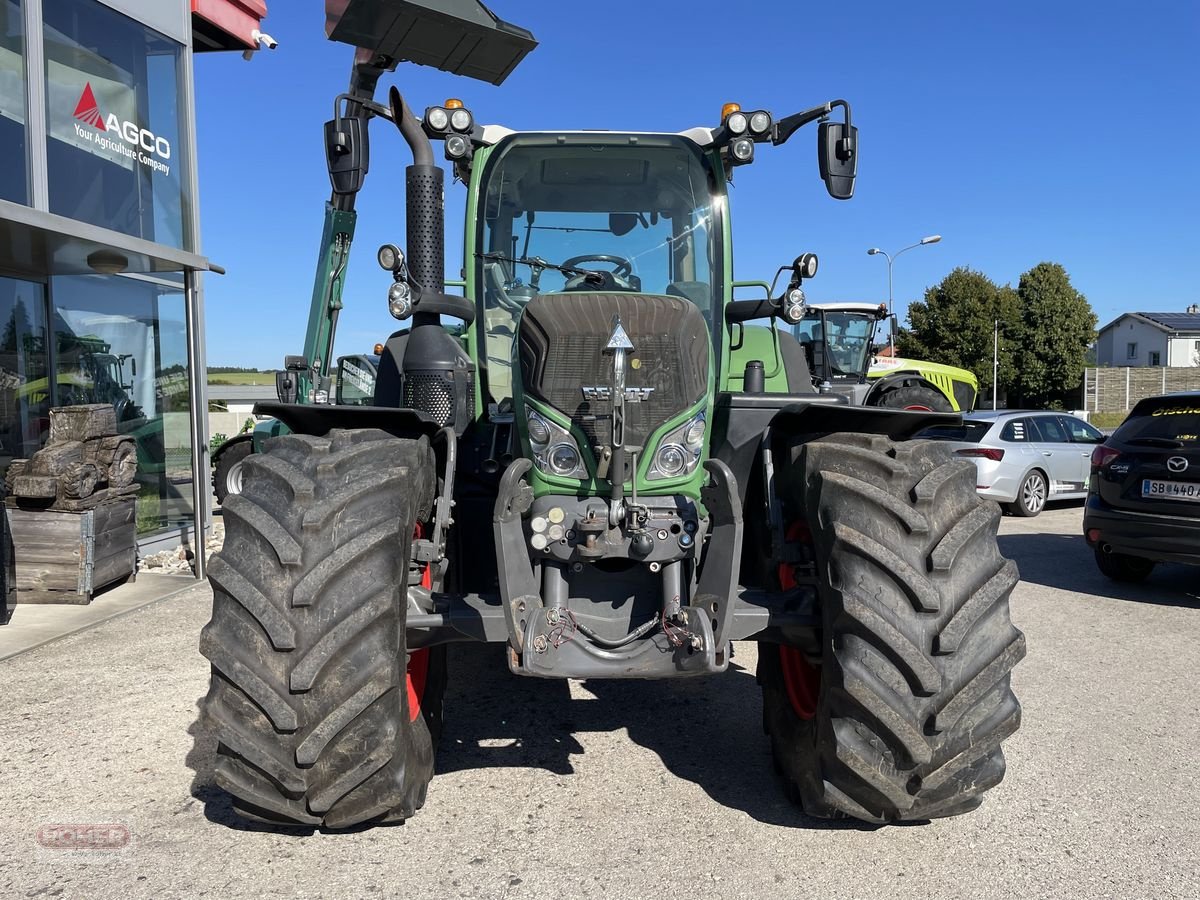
x=800, y=677
x=418, y=660
x=802, y=680
x=917, y=408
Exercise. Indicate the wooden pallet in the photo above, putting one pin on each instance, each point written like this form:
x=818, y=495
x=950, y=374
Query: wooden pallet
x=67, y=557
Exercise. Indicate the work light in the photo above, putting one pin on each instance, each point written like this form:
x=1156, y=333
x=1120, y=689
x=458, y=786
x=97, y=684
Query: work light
x=460, y=120
x=760, y=122
x=437, y=118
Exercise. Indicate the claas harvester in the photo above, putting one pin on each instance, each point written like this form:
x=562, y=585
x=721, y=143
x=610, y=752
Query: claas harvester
x=597, y=458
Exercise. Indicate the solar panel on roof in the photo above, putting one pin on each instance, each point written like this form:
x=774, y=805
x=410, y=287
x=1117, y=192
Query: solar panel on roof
x=1176, y=321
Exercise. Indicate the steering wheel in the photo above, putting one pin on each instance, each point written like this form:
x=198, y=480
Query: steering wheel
x=619, y=278
x=622, y=266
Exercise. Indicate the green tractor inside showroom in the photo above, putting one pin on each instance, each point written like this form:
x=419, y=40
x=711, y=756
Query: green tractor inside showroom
x=604, y=463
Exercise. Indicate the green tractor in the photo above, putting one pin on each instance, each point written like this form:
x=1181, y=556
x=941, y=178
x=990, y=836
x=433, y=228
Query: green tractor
x=595, y=468
x=838, y=340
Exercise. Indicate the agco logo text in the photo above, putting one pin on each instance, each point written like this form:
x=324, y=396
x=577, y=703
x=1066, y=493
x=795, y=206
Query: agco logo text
x=133, y=142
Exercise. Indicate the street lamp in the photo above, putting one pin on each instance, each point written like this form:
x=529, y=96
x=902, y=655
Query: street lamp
x=890, y=257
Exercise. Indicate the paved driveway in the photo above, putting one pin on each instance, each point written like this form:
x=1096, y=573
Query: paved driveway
x=628, y=789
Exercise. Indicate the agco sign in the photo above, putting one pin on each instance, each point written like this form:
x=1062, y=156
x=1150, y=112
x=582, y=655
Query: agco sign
x=133, y=141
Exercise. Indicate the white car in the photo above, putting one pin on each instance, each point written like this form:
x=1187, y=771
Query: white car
x=1024, y=457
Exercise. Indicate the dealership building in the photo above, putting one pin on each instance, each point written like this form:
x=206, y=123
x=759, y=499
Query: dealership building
x=101, y=294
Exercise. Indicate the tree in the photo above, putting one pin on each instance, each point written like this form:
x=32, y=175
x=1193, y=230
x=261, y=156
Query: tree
x=955, y=323
x=1059, y=325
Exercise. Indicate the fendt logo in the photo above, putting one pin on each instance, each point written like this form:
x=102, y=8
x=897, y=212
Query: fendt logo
x=136, y=143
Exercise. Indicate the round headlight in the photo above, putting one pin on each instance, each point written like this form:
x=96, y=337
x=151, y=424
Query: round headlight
x=400, y=300
x=760, y=122
x=539, y=431
x=456, y=146
x=460, y=120
x=437, y=118
x=671, y=459
x=737, y=122
x=742, y=149
x=793, y=306
x=563, y=459
x=694, y=436
x=390, y=257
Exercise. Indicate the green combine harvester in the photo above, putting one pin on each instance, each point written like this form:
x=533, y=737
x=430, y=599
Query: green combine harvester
x=604, y=464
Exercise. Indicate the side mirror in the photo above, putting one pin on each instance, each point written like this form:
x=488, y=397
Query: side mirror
x=621, y=224
x=347, y=153
x=837, y=153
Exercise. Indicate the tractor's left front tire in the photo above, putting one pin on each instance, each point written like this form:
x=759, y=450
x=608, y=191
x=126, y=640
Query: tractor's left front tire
x=900, y=714
x=321, y=716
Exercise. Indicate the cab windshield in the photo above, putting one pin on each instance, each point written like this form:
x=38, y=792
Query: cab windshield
x=846, y=338
x=590, y=213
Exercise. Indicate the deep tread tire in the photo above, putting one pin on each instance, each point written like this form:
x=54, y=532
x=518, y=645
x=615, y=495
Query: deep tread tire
x=227, y=463
x=918, y=643
x=307, y=698
x=1123, y=567
x=915, y=396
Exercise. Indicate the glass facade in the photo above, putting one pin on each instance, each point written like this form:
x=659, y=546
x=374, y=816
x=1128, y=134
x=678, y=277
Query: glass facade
x=24, y=369
x=114, y=142
x=123, y=341
x=14, y=180
x=115, y=153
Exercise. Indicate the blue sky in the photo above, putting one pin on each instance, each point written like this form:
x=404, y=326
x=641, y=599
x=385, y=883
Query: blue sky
x=1019, y=131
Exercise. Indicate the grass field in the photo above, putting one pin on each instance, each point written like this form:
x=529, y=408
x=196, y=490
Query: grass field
x=266, y=378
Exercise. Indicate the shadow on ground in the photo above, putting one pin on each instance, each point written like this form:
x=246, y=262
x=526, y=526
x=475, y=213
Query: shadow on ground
x=705, y=730
x=1066, y=562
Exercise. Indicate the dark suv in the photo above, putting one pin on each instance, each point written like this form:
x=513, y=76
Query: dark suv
x=1143, y=501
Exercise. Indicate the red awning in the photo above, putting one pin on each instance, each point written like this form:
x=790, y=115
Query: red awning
x=226, y=24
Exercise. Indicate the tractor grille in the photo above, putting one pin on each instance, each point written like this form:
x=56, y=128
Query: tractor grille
x=562, y=340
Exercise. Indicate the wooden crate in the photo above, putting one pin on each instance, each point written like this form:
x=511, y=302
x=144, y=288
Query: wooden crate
x=67, y=557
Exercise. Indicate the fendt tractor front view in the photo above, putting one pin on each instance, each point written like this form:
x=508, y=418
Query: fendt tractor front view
x=601, y=460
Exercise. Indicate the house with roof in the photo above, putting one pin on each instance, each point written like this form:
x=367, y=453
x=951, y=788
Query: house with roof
x=1151, y=339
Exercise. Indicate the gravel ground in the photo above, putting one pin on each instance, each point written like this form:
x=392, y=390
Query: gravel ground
x=630, y=789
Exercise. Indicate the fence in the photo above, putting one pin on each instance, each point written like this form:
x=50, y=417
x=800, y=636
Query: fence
x=1117, y=390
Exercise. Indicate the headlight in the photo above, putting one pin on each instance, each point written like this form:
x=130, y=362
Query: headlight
x=456, y=146
x=742, y=150
x=760, y=121
x=736, y=123
x=564, y=458
x=679, y=450
x=554, y=449
x=460, y=120
x=437, y=118
x=400, y=300
x=539, y=430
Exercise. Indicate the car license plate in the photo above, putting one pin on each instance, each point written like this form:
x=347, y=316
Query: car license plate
x=1174, y=490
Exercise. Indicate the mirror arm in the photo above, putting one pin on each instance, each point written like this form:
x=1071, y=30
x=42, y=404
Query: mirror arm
x=789, y=125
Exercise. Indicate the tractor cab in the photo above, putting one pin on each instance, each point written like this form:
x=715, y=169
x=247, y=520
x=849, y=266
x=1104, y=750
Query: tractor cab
x=591, y=214
x=839, y=339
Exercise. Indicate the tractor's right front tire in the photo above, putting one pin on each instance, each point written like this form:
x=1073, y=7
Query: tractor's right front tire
x=901, y=713
x=315, y=704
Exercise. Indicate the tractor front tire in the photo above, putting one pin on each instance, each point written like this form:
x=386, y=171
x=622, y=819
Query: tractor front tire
x=318, y=718
x=901, y=715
